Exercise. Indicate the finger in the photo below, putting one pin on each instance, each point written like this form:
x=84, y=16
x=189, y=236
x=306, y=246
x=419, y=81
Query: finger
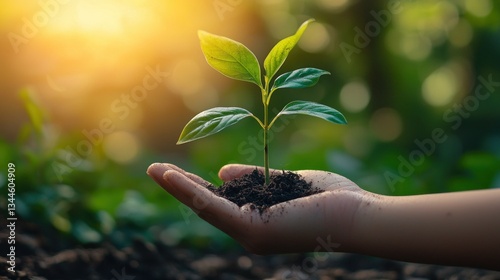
x=197, y=197
x=214, y=209
x=233, y=171
x=319, y=179
x=327, y=180
x=156, y=171
x=316, y=177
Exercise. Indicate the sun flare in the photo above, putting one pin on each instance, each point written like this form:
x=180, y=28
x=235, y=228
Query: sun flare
x=101, y=17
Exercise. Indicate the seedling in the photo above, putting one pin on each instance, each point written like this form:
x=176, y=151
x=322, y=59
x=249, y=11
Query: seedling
x=236, y=61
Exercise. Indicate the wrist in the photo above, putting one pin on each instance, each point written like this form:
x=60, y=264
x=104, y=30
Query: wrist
x=366, y=207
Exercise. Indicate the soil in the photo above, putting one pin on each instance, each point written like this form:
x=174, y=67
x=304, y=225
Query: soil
x=251, y=188
x=41, y=255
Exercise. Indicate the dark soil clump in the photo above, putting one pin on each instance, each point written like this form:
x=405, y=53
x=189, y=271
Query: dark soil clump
x=250, y=188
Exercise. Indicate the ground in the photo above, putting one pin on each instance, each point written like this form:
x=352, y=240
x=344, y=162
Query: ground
x=40, y=254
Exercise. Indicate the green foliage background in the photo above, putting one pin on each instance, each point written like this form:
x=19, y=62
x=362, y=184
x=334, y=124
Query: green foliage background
x=99, y=199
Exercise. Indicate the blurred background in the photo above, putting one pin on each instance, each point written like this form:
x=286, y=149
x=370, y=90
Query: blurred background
x=93, y=92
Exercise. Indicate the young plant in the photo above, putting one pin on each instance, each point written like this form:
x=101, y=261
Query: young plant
x=236, y=61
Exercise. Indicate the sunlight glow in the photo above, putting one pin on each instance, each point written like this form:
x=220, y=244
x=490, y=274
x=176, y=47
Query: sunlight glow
x=121, y=146
x=101, y=17
x=202, y=100
x=84, y=57
x=187, y=78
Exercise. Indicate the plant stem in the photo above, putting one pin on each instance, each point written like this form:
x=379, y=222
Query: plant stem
x=266, y=144
x=265, y=102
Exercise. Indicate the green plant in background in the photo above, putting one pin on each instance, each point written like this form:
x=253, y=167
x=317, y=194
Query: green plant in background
x=236, y=61
x=91, y=202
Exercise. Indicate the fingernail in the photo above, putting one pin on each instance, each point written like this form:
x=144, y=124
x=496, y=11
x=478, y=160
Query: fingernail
x=156, y=171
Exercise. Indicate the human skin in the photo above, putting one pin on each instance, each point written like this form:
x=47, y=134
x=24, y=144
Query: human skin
x=452, y=229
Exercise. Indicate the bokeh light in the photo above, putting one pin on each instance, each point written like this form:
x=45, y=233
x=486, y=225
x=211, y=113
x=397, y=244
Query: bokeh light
x=316, y=39
x=83, y=60
x=121, y=146
x=479, y=8
x=386, y=124
x=333, y=5
x=283, y=23
x=187, y=78
x=354, y=96
x=440, y=87
x=420, y=26
x=101, y=18
x=94, y=91
x=411, y=45
x=462, y=34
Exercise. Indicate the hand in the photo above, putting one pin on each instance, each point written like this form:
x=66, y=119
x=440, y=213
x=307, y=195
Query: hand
x=460, y=228
x=321, y=222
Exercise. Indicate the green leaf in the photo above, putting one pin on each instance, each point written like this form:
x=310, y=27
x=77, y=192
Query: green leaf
x=280, y=51
x=35, y=112
x=313, y=109
x=230, y=58
x=210, y=122
x=300, y=78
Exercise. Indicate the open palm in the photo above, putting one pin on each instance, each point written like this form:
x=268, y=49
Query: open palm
x=297, y=225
